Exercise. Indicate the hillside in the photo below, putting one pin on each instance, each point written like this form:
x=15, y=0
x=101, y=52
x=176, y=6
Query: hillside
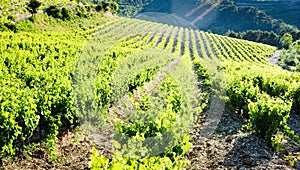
x=286, y=10
x=17, y=9
x=218, y=16
x=170, y=19
x=144, y=95
x=222, y=17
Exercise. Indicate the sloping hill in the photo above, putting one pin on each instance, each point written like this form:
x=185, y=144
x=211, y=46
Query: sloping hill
x=223, y=15
x=18, y=8
x=287, y=10
x=170, y=19
x=151, y=93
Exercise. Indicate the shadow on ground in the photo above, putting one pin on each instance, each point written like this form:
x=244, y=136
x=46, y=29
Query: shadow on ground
x=230, y=147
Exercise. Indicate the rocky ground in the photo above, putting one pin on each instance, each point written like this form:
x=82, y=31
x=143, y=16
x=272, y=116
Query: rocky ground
x=74, y=150
x=229, y=147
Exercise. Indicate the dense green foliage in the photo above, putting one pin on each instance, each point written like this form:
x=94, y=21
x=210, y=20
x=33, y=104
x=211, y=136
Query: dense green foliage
x=282, y=40
x=36, y=87
x=288, y=11
x=245, y=18
x=148, y=79
x=267, y=116
x=130, y=8
x=290, y=57
x=76, y=11
x=124, y=7
x=256, y=25
x=64, y=10
x=265, y=37
x=33, y=5
x=252, y=90
x=37, y=100
x=108, y=6
x=265, y=98
x=286, y=40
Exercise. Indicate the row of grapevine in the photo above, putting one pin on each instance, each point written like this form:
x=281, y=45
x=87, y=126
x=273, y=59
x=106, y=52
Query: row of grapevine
x=264, y=96
x=153, y=68
x=126, y=67
x=140, y=34
x=256, y=89
x=36, y=91
x=234, y=53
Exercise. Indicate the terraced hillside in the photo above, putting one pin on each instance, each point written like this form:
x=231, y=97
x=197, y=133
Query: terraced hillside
x=221, y=16
x=139, y=89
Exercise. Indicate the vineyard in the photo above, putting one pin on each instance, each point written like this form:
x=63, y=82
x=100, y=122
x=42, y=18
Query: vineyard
x=142, y=82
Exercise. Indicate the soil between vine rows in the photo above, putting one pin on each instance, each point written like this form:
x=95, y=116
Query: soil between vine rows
x=228, y=148
x=232, y=148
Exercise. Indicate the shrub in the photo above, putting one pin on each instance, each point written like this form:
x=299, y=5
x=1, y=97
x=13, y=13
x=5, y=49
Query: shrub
x=286, y=40
x=33, y=6
x=268, y=116
x=107, y=6
x=114, y=7
x=241, y=91
x=65, y=13
x=54, y=11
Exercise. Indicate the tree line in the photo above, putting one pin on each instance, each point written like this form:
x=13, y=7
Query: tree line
x=266, y=37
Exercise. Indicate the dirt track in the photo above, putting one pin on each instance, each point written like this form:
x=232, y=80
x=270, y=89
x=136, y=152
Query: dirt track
x=275, y=57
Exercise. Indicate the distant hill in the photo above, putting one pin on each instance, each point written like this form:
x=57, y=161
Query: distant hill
x=170, y=19
x=132, y=7
x=218, y=16
x=207, y=14
x=80, y=89
x=287, y=10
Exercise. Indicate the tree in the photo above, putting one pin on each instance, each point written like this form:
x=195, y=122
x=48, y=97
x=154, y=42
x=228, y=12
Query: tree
x=114, y=7
x=286, y=40
x=33, y=6
x=65, y=14
x=54, y=11
x=100, y=7
x=231, y=33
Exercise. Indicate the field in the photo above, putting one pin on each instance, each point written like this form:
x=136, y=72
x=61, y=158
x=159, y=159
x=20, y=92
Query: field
x=138, y=87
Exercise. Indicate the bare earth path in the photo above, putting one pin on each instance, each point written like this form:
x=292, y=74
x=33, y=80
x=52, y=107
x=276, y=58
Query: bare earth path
x=274, y=58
